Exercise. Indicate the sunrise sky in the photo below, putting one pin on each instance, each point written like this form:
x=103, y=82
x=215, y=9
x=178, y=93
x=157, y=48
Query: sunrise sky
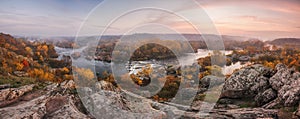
x=263, y=19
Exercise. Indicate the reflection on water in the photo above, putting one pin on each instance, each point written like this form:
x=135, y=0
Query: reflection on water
x=190, y=58
x=227, y=70
x=82, y=62
x=67, y=51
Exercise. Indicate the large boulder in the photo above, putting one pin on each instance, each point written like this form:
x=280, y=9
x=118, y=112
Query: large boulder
x=63, y=107
x=49, y=105
x=290, y=94
x=269, y=88
x=44, y=107
x=113, y=105
x=283, y=76
x=265, y=97
x=247, y=82
x=286, y=82
x=13, y=93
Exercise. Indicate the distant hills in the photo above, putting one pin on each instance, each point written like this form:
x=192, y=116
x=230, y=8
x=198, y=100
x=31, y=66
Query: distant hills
x=230, y=42
x=189, y=37
x=285, y=41
x=64, y=41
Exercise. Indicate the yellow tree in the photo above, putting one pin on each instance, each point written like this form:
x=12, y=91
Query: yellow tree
x=45, y=48
x=84, y=76
x=28, y=49
x=19, y=66
x=85, y=73
x=65, y=70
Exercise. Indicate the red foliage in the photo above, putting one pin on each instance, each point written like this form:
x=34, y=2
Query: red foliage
x=25, y=63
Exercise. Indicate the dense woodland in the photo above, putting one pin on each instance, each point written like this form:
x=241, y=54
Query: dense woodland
x=37, y=60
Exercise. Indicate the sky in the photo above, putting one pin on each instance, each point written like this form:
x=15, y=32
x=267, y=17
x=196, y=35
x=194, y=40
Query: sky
x=262, y=19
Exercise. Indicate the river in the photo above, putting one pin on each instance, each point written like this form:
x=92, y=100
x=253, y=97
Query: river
x=135, y=66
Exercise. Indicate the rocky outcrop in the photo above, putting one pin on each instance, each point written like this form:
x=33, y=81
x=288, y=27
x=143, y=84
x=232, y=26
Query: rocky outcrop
x=108, y=101
x=247, y=82
x=265, y=97
x=287, y=84
x=113, y=105
x=255, y=83
x=120, y=103
x=268, y=88
x=44, y=107
x=55, y=102
x=13, y=93
x=10, y=95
